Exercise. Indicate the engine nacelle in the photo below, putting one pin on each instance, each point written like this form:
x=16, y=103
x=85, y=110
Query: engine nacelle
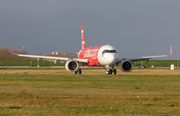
x=126, y=66
x=72, y=66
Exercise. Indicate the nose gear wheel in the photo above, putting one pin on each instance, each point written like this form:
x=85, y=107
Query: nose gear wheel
x=110, y=71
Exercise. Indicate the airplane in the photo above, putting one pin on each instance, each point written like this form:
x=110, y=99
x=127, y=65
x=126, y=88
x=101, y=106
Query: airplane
x=103, y=56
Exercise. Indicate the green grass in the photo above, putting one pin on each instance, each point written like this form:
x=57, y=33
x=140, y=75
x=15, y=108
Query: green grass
x=23, y=94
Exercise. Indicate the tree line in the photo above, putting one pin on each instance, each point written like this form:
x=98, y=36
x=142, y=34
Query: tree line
x=5, y=54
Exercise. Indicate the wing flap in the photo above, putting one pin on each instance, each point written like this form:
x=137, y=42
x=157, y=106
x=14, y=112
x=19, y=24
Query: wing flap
x=44, y=57
x=53, y=58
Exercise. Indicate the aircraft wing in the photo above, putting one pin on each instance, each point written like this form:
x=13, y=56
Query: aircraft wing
x=51, y=57
x=67, y=53
x=142, y=58
x=145, y=57
x=58, y=52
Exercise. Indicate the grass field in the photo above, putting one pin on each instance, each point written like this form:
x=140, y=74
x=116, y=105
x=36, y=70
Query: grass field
x=145, y=92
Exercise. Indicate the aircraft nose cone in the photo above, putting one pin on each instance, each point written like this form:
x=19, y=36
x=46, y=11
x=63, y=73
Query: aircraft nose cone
x=111, y=58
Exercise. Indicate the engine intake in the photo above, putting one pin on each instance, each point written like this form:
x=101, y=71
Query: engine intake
x=126, y=66
x=72, y=66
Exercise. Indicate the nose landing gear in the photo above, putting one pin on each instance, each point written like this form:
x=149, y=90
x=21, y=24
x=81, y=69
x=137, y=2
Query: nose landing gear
x=110, y=71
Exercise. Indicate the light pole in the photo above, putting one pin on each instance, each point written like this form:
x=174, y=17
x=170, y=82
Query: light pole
x=38, y=62
x=31, y=63
x=50, y=62
x=178, y=62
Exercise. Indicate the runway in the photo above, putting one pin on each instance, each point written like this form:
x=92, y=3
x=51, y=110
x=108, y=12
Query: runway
x=56, y=71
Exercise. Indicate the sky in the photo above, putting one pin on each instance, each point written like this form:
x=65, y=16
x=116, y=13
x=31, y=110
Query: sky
x=134, y=27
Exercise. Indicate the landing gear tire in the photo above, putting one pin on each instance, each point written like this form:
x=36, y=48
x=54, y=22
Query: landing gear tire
x=75, y=72
x=109, y=72
x=79, y=71
x=114, y=71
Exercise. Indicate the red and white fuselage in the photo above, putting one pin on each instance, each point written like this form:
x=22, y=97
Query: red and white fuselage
x=97, y=56
x=100, y=55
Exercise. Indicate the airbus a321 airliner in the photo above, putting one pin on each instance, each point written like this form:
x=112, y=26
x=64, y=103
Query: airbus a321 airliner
x=105, y=56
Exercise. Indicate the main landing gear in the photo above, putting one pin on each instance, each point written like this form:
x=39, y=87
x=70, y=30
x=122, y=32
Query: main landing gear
x=78, y=71
x=110, y=71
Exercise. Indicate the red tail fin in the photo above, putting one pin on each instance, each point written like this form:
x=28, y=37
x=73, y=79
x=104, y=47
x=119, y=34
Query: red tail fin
x=82, y=37
x=170, y=49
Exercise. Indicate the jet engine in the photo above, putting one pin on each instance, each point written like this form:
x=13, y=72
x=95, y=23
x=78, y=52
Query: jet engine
x=72, y=66
x=126, y=66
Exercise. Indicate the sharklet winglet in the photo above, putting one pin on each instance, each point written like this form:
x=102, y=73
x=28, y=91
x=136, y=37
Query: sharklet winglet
x=12, y=50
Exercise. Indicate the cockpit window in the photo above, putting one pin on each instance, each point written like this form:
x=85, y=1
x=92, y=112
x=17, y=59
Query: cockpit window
x=109, y=51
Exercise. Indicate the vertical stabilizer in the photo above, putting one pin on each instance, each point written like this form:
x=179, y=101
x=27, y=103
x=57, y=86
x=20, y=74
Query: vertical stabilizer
x=82, y=37
x=170, y=49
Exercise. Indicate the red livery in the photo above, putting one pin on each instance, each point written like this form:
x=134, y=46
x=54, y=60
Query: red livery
x=91, y=54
